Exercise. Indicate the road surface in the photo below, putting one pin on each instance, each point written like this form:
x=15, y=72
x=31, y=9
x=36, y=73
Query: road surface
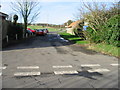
x=50, y=62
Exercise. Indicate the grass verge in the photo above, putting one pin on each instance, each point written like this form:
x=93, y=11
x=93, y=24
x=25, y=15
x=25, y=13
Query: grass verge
x=106, y=49
x=103, y=48
x=73, y=38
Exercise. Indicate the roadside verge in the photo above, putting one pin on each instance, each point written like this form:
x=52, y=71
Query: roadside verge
x=102, y=48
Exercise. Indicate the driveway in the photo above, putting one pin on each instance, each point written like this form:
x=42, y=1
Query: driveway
x=51, y=62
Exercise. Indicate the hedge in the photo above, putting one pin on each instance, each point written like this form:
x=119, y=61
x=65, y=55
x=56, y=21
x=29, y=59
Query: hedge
x=109, y=33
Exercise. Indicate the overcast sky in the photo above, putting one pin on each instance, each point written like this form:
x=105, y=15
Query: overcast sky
x=54, y=11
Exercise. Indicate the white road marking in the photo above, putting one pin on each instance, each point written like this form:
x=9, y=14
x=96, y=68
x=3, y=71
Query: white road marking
x=65, y=72
x=28, y=67
x=99, y=70
x=26, y=73
x=114, y=64
x=3, y=67
x=90, y=65
x=66, y=41
x=69, y=66
x=61, y=38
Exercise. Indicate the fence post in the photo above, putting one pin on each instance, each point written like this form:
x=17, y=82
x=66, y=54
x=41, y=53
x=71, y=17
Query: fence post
x=16, y=36
x=26, y=35
x=7, y=38
x=23, y=35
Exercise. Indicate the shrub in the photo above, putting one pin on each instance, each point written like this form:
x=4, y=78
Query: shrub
x=15, y=29
x=92, y=36
x=112, y=31
x=109, y=33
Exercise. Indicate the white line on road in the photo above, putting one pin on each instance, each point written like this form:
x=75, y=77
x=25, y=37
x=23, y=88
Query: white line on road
x=65, y=72
x=99, y=70
x=0, y=74
x=61, y=38
x=69, y=66
x=26, y=73
x=3, y=67
x=90, y=65
x=28, y=67
x=114, y=64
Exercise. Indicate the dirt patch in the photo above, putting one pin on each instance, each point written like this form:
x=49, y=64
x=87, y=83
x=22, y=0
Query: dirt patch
x=61, y=51
x=83, y=49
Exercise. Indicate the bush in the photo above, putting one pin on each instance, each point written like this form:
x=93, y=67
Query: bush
x=92, y=36
x=109, y=33
x=112, y=31
x=15, y=29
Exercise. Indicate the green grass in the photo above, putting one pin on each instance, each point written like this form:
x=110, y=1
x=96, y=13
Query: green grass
x=73, y=38
x=104, y=48
x=82, y=42
x=107, y=49
x=40, y=27
x=52, y=29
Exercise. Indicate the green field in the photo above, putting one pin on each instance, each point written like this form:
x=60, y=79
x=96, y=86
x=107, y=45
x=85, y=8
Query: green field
x=40, y=27
x=34, y=27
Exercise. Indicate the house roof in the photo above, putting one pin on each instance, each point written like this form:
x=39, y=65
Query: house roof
x=74, y=23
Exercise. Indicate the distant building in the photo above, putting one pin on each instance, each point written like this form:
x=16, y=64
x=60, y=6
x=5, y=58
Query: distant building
x=42, y=24
x=3, y=16
x=70, y=29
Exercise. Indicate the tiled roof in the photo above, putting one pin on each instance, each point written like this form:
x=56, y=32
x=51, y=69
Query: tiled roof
x=73, y=24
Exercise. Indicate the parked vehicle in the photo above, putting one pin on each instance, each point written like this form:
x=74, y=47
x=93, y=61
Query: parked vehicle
x=47, y=30
x=29, y=32
x=33, y=31
x=40, y=32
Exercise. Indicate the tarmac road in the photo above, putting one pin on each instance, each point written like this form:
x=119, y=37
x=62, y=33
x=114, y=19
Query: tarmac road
x=51, y=62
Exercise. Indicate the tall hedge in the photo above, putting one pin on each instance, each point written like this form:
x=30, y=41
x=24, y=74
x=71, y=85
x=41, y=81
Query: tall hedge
x=112, y=31
x=109, y=33
x=15, y=29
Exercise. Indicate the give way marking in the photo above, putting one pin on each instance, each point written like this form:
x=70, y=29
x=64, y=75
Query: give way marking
x=27, y=73
x=28, y=67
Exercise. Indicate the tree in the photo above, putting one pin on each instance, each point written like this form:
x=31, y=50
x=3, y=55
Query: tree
x=96, y=14
x=102, y=22
x=28, y=9
x=68, y=23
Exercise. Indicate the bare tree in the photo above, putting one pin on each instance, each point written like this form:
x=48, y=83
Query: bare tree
x=28, y=9
x=95, y=14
